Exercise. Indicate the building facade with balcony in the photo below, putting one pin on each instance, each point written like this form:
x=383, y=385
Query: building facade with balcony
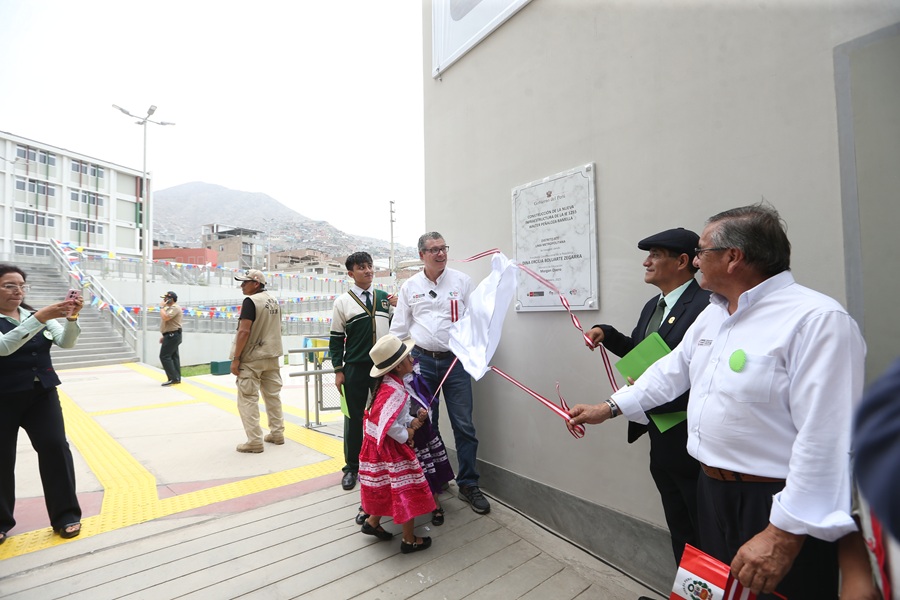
x=52, y=193
x=236, y=247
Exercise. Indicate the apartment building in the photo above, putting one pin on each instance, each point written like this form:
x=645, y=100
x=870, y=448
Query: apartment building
x=236, y=247
x=53, y=193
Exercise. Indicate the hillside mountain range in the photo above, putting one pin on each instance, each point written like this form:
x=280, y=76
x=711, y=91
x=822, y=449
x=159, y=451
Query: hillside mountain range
x=180, y=212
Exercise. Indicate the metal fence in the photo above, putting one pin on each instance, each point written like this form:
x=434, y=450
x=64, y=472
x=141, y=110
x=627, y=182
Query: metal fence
x=158, y=270
x=203, y=323
x=319, y=383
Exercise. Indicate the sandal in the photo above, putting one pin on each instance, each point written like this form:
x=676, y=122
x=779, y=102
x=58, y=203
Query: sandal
x=378, y=532
x=64, y=532
x=437, y=517
x=361, y=516
x=406, y=547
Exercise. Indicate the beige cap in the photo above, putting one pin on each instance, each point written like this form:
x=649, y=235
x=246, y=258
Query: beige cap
x=252, y=275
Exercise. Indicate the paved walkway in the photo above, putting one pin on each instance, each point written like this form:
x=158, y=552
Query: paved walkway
x=172, y=511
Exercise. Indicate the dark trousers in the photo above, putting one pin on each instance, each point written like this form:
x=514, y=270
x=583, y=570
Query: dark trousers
x=675, y=473
x=38, y=412
x=457, y=392
x=731, y=512
x=168, y=355
x=678, y=492
x=357, y=386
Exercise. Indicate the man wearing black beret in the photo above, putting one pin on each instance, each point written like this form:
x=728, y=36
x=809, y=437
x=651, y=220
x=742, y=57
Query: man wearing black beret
x=669, y=266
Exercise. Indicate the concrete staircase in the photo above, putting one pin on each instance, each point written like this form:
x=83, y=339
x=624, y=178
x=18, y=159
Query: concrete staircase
x=98, y=344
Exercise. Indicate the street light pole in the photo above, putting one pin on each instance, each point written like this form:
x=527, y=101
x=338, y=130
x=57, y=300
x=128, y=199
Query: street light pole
x=147, y=246
x=393, y=268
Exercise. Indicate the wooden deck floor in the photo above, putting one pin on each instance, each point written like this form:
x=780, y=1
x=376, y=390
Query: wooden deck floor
x=309, y=547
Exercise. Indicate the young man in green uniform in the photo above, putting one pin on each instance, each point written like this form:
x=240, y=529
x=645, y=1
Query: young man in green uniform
x=361, y=316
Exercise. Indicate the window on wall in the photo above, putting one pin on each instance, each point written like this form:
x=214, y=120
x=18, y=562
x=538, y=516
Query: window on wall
x=35, y=187
x=27, y=153
x=32, y=155
x=89, y=198
x=86, y=168
x=85, y=226
x=47, y=158
x=26, y=249
x=31, y=217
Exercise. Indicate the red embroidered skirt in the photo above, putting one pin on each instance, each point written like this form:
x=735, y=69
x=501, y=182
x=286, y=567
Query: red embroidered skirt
x=391, y=481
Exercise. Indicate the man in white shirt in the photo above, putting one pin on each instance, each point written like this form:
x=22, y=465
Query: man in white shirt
x=774, y=370
x=428, y=305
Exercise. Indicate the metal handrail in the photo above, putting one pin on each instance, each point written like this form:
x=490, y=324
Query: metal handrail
x=91, y=287
x=316, y=374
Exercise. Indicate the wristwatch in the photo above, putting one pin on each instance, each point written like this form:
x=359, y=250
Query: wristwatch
x=613, y=408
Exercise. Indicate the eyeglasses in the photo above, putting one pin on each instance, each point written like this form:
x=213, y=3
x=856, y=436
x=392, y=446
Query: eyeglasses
x=700, y=251
x=437, y=250
x=11, y=287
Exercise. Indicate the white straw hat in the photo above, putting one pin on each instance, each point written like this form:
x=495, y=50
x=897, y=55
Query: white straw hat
x=387, y=353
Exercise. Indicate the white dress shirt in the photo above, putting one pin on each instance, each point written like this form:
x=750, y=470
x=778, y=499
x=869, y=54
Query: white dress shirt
x=773, y=388
x=426, y=310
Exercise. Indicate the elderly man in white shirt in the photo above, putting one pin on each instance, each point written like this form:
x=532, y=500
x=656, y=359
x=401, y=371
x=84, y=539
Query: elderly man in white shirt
x=428, y=305
x=775, y=370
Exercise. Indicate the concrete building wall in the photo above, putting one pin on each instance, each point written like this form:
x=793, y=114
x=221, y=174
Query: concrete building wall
x=686, y=109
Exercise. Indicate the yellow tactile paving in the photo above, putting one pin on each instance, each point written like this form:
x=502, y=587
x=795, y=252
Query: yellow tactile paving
x=116, y=411
x=130, y=493
x=330, y=416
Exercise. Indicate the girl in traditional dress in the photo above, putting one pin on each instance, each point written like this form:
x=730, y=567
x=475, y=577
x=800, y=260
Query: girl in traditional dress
x=392, y=482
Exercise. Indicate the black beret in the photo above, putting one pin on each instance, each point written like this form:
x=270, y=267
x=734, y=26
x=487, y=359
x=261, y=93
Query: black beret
x=171, y=295
x=681, y=240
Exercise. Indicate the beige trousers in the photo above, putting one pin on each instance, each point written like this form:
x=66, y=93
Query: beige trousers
x=260, y=376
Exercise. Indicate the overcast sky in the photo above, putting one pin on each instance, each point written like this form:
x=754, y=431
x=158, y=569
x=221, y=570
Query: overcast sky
x=315, y=103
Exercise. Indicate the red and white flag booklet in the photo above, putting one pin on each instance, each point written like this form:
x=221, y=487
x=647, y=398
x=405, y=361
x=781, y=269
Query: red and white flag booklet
x=702, y=577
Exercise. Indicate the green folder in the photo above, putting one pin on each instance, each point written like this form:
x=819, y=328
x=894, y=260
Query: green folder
x=642, y=356
x=344, y=408
x=666, y=421
x=636, y=362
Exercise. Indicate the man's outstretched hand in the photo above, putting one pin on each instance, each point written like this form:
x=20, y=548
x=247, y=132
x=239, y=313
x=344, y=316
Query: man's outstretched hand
x=587, y=413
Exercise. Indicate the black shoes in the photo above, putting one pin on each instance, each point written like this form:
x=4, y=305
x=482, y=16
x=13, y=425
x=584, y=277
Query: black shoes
x=68, y=531
x=168, y=383
x=361, y=516
x=349, y=480
x=473, y=495
x=378, y=532
x=406, y=548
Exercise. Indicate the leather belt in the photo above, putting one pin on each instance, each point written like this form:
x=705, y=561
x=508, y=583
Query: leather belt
x=433, y=354
x=726, y=475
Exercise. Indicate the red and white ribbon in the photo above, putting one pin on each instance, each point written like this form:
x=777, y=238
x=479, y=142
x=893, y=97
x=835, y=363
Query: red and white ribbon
x=562, y=410
x=607, y=363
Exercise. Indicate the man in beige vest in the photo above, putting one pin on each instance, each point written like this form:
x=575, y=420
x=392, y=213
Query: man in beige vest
x=256, y=362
